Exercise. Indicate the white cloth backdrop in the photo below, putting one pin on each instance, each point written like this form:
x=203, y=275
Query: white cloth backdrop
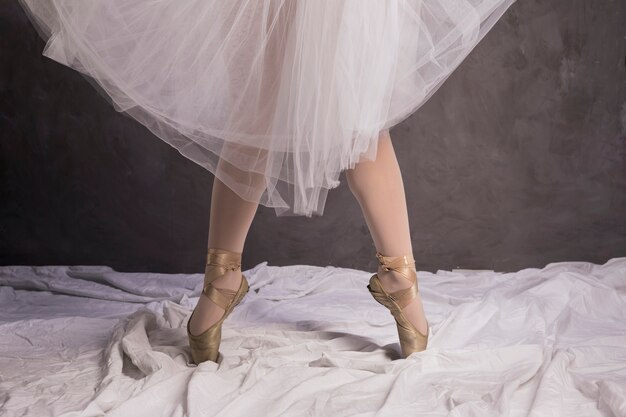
x=310, y=341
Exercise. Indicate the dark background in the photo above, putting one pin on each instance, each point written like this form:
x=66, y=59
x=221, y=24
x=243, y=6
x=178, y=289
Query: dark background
x=517, y=161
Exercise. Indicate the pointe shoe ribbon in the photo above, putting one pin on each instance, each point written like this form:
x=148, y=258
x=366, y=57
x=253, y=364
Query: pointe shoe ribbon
x=205, y=346
x=219, y=261
x=411, y=339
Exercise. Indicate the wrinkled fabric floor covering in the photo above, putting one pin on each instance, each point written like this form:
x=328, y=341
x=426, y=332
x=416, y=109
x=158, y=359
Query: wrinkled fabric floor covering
x=85, y=341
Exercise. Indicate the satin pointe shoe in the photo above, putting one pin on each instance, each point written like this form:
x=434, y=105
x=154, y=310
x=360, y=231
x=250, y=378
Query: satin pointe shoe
x=205, y=346
x=411, y=339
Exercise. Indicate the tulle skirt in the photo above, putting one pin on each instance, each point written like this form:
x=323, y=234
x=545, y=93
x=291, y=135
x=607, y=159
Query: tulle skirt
x=274, y=97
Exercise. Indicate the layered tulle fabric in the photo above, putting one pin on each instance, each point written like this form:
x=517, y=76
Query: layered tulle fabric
x=274, y=97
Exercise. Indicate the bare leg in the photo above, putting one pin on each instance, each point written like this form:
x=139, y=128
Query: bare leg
x=379, y=189
x=231, y=217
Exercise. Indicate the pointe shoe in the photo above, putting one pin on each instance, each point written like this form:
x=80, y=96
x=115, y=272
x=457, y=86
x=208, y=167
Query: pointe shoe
x=411, y=339
x=205, y=346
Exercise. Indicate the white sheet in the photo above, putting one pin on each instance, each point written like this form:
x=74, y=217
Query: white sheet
x=310, y=341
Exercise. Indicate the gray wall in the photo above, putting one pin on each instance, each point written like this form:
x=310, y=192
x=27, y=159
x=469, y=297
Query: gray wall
x=517, y=161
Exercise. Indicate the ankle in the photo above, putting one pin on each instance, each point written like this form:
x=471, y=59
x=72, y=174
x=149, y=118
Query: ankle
x=392, y=280
x=230, y=280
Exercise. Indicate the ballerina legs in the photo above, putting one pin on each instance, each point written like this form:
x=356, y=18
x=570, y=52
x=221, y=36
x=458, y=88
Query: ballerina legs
x=379, y=189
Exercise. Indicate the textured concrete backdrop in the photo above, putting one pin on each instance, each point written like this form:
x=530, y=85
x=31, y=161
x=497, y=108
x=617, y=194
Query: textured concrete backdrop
x=517, y=161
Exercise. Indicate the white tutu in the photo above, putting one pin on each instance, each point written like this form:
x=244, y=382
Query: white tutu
x=274, y=97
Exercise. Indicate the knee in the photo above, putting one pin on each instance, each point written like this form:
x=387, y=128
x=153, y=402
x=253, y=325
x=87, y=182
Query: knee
x=355, y=184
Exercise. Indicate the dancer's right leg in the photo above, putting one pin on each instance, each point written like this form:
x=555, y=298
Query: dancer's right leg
x=379, y=189
x=230, y=220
